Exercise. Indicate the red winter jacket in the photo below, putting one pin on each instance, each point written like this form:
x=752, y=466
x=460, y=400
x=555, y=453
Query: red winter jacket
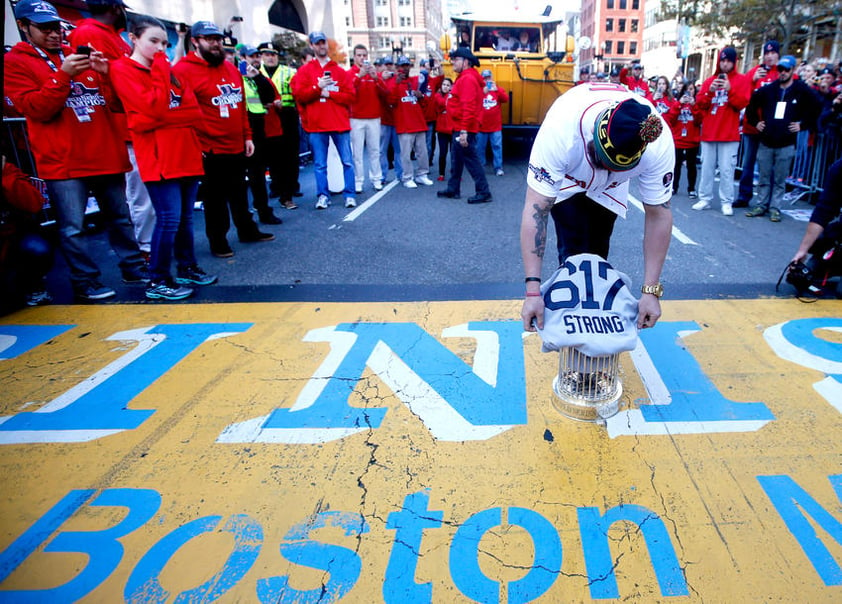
x=369, y=91
x=219, y=90
x=684, y=120
x=721, y=114
x=443, y=122
x=771, y=76
x=465, y=102
x=65, y=147
x=324, y=114
x=492, y=113
x=408, y=110
x=433, y=85
x=163, y=119
x=638, y=86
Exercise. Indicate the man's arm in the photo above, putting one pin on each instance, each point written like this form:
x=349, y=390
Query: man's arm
x=656, y=241
x=533, y=242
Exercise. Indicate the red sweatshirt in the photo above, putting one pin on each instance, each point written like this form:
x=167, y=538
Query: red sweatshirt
x=71, y=128
x=638, y=86
x=105, y=39
x=684, y=120
x=408, y=110
x=219, y=91
x=721, y=112
x=163, y=118
x=771, y=76
x=443, y=123
x=324, y=114
x=465, y=102
x=369, y=89
x=387, y=116
x=492, y=113
x=430, y=110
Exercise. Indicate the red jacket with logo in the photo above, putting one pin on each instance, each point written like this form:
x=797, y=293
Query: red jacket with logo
x=163, y=118
x=639, y=86
x=465, y=102
x=721, y=110
x=324, y=114
x=684, y=120
x=219, y=90
x=408, y=110
x=66, y=144
x=492, y=113
x=771, y=76
x=443, y=123
x=369, y=91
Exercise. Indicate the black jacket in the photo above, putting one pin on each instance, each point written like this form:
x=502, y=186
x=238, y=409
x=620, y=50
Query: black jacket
x=802, y=105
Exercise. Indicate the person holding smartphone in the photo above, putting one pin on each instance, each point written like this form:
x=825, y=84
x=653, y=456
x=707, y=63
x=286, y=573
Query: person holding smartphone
x=163, y=116
x=720, y=99
x=684, y=119
x=491, y=122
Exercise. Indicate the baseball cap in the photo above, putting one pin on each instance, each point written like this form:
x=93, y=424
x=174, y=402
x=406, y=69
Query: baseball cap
x=486, y=73
x=621, y=133
x=729, y=53
x=615, y=71
x=378, y=61
x=464, y=53
x=36, y=11
x=787, y=62
x=317, y=36
x=205, y=28
x=404, y=60
x=772, y=46
x=388, y=60
x=266, y=47
x=248, y=51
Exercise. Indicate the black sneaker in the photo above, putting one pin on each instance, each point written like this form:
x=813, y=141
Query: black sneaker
x=222, y=252
x=139, y=276
x=480, y=198
x=257, y=237
x=447, y=193
x=269, y=218
x=94, y=290
x=167, y=291
x=193, y=275
x=39, y=298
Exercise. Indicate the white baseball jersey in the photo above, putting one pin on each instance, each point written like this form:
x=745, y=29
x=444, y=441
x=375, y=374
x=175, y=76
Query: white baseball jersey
x=560, y=165
x=589, y=305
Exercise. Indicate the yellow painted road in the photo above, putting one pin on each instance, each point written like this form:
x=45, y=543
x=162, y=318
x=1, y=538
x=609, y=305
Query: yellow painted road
x=410, y=452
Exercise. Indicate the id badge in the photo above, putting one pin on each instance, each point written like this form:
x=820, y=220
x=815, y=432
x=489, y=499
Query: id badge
x=780, y=110
x=82, y=114
x=223, y=110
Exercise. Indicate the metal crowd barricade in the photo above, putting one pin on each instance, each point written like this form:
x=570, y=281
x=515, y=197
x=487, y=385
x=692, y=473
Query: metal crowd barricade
x=811, y=164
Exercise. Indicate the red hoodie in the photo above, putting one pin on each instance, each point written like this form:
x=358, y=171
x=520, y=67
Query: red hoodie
x=684, y=120
x=465, y=102
x=433, y=85
x=771, y=76
x=163, y=118
x=721, y=112
x=66, y=144
x=443, y=123
x=408, y=110
x=219, y=91
x=639, y=86
x=492, y=113
x=324, y=114
x=387, y=116
x=369, y=89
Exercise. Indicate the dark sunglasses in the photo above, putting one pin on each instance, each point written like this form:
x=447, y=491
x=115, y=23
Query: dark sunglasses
x=784, y=68
x=47, y=28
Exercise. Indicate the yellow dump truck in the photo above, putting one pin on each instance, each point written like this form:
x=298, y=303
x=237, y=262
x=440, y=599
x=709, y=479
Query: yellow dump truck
x=527, y=56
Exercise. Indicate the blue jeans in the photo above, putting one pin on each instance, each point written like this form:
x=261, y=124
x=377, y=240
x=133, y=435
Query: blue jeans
x=388, y=135
x=749, y=160
x=431, y=141
x=466, y=157
x=173, y=234
x=69, y=198
x=496, y=139
x=320, y=141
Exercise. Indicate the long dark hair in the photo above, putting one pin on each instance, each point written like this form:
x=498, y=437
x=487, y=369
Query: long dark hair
x=685, y=87
x=139, y=24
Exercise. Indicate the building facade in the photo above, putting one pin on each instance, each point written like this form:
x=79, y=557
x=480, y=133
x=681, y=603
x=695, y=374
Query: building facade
x=615, y=31
x=386, y=27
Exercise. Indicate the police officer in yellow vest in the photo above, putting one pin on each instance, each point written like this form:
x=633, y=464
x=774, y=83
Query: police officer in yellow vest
x=260, y=94
x=283, y=152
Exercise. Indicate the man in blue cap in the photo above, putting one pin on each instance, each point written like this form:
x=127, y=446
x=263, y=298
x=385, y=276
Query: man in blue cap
x=779, y=111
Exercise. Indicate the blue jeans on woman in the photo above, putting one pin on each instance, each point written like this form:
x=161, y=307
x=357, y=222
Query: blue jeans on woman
x=173, y=235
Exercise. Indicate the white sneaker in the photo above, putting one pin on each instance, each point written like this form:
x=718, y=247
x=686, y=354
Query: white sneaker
x=700, y=205
x=350, y=202
x=378, y=186
x=424, y=180
x=410, y=184
x=499, y=172
x=358, y=189
x=322, y=202
x=727, y=210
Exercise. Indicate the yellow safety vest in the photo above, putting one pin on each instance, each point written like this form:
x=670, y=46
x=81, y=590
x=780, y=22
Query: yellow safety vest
x=283, y=74
x=253, y=103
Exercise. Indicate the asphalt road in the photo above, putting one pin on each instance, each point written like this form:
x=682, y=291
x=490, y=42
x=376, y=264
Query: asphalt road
x=412, y=245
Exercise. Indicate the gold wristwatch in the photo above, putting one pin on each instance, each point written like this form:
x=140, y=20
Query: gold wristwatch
x=656, y=290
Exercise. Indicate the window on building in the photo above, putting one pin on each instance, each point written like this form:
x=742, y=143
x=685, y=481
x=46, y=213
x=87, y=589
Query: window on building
x=385, y=42
x=635, y=4
x=623, y=4
x=347, y=21
x=633, y=48
x=609, y=4
x=621, y=25
x=609, y=47
x=381, y=2
x=609, y=25
x=621, y=47
x=404, y=2
x=634, y=25
x=382, y=22
x=406, y=42
x=406, y=21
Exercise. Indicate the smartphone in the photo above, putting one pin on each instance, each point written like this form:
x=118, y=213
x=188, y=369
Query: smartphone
x=327, y=75
x=366, y=62
x=83, y=50
x=722, y=76
x=243, y=67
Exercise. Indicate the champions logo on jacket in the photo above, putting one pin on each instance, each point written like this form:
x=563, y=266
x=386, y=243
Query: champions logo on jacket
x=541, y=174
x=489, y=102
x=228, y=95
x=175, y=100
x=81, y=96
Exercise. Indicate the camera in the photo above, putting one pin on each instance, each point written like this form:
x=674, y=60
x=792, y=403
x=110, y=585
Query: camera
x=799, y=276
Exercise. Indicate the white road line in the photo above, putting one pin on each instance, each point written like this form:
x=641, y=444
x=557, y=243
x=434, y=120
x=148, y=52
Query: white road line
x=676, y=232
x=356, y=213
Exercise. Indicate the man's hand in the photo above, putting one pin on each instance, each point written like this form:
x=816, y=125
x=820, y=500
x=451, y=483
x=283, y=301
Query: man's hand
x=463, y=138
x=648, y=311
x=532, y=313
x=794, y=127
x=251, y=71
x=249, y=148
x=75, y=64
x=324, y=81
x=761, y=126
